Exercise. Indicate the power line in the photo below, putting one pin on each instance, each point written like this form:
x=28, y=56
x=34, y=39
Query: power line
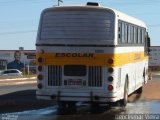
x=18, y=32
x=156, y=25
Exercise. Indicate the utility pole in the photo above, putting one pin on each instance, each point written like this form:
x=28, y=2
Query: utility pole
x=60, y=1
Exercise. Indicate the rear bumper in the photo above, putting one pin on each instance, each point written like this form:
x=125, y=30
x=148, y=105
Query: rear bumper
x=89, y=97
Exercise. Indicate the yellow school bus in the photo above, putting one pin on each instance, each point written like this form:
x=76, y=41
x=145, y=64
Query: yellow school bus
x=90, y=54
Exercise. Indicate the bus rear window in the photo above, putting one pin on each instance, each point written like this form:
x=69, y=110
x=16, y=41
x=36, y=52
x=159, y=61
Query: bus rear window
x=77, y=25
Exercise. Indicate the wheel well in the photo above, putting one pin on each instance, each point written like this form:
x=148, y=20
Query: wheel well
x=127, y=79
x=144, y=72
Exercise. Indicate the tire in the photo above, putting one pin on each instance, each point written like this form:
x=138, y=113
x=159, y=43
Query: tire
x=124, y=101
x=144, y=75
x=139, y=90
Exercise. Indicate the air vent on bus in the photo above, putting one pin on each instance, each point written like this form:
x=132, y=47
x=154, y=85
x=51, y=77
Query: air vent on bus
x=93, y=4
x=95, y=76
x=54, y=75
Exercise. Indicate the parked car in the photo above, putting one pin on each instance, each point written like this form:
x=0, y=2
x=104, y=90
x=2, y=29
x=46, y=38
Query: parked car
x=11, y=72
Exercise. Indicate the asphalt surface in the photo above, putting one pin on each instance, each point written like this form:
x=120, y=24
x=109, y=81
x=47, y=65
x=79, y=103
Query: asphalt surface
x=23, y=98
x=15, y=98
x=9, y=89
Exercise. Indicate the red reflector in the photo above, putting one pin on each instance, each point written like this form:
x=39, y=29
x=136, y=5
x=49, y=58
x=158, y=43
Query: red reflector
x=39, y=86
x=40, y=77
x=40, y=68
x=110, y=78
x=40, y=59
x=110, y=70
x=110, y=61
x=110, y=87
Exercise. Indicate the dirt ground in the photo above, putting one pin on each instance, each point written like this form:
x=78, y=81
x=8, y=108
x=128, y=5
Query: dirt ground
x=151, y=91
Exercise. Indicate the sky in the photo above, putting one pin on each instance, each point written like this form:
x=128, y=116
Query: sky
x=19, y=19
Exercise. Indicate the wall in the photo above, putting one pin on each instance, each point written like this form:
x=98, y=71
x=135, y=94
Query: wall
x=154, y=61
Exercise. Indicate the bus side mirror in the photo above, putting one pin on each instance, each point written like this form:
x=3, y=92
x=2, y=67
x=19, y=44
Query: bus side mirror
x=148, y=42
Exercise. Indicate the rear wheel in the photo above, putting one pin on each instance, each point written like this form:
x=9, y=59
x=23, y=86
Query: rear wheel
x=124, y=101
x=140, y=90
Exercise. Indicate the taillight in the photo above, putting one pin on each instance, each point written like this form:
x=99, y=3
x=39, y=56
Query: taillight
x=110, y=78
x=40, y=86
x=110, y=61
x=40, y=68
x=110, y=70
x=40, y=60
x=40, y=77
x=110, y=87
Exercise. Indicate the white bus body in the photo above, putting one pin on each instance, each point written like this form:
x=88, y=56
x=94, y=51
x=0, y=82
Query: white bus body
x=90, y=54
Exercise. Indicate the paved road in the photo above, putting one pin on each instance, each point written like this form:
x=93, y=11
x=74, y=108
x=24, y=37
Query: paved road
x=145, y=104
x=14, y=88
x=14, y=85
x=20, y=95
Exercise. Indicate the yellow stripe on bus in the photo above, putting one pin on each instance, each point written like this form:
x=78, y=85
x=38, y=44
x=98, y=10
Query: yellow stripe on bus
x=90, y=59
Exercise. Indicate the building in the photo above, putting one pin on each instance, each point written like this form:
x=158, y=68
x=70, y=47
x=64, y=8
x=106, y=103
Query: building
x=154, y=59
x=3, y=64
x=26, y=59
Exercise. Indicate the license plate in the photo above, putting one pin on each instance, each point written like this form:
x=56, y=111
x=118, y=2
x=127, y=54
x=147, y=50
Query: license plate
x=75, y=82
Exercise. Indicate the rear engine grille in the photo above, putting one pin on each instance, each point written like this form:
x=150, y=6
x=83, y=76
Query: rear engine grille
x=95, y=76
x=54, y=75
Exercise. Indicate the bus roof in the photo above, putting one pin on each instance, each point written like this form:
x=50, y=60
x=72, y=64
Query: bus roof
x=128, y=18
x=119, y=15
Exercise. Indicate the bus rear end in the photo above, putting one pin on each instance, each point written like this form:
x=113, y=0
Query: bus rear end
x=75, y=48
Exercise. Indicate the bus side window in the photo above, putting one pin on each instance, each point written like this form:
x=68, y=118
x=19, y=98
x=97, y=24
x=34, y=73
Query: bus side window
x=120, y=32
x=143, y=36
x=126, y=33
x=134, y=40
x=135, y=35
x=132, y=34
x=129, y=34
x=139, y=35
x=123, y=33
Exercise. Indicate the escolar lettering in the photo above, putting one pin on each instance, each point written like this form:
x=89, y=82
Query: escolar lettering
x=74, y=55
